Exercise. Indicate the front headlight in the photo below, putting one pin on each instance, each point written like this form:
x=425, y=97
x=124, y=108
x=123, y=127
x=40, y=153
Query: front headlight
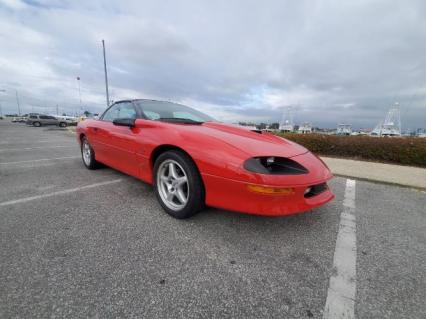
x=272, y=165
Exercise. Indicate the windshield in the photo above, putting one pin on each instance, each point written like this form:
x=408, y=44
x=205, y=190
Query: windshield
x=168, y=111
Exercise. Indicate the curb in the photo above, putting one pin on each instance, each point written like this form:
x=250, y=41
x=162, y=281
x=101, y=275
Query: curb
x=376, y=181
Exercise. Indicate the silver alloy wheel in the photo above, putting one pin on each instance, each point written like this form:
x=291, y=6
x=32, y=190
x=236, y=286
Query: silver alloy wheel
x=172, y=184
x=87, y=153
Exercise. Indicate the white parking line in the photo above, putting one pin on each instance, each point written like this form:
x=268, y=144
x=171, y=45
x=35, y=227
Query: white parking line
x=39, y=160
x=66, y=191
x=341, y=291
x=34, y=148
x=25, y=140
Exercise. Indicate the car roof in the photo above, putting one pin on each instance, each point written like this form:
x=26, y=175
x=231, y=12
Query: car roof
x=143, y=100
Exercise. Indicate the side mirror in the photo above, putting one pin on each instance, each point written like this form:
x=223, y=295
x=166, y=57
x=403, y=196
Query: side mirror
x=124, y=122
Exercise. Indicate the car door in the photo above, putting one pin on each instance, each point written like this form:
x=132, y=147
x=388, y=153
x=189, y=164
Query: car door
x=47, y=120
x=118, y=144
x=44, y=119
x=52, y=120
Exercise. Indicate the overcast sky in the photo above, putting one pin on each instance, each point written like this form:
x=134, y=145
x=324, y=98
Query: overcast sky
x=331, y=61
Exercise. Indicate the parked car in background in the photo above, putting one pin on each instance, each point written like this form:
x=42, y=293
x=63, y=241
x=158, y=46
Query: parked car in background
x=69, y=120
x=23, y=119
x=44, y=120
x=19, y=119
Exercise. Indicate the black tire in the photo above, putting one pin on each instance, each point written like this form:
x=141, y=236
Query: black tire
x=62, y=124
x=36, y=124
x=90, y=162
x=195, y=201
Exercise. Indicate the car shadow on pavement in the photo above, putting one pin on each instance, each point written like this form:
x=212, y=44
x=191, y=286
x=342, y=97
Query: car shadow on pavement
x=302, y=221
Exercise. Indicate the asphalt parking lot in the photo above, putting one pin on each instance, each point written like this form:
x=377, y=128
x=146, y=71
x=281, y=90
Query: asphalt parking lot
x=76, y=243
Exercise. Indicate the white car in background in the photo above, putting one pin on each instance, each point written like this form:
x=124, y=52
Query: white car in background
x=19, y=119
x=70, y=120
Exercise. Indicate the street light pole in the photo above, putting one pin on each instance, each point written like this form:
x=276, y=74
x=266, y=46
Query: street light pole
x=1, y=110
x=79, y=93
x=17, y=102
x=106, y=74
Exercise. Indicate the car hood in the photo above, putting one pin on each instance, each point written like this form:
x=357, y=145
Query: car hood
x=253, y=143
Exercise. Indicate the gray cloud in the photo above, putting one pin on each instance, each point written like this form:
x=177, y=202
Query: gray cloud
x=334, y=61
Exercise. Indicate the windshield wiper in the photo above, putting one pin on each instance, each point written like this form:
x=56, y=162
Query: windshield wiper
x=179, y=119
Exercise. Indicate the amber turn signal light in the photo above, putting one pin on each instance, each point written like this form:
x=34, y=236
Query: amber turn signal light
x=271, y=190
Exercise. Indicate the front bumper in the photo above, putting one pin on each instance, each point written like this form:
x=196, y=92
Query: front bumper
x=235, y=196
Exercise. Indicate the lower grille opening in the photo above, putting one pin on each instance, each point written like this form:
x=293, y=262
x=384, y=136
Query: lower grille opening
x=315, y=190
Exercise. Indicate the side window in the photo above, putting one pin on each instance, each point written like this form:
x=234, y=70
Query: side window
x=152, y=115
x=52, y=118
x=126, y=111
x=122, y=110
x=44, y=117
x=111, y=114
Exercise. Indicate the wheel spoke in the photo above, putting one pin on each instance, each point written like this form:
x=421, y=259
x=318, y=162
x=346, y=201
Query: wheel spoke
x=172, y=170
x=180, y=181
x=170, y=196
x=180, y=196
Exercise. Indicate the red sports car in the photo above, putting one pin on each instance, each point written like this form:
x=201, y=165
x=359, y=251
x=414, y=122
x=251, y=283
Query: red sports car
x=193, y=161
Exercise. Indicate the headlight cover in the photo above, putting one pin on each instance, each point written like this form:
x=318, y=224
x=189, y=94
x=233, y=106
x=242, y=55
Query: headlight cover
x=271, y=165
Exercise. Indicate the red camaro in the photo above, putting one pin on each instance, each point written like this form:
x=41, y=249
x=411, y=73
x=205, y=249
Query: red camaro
x=193, y=161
